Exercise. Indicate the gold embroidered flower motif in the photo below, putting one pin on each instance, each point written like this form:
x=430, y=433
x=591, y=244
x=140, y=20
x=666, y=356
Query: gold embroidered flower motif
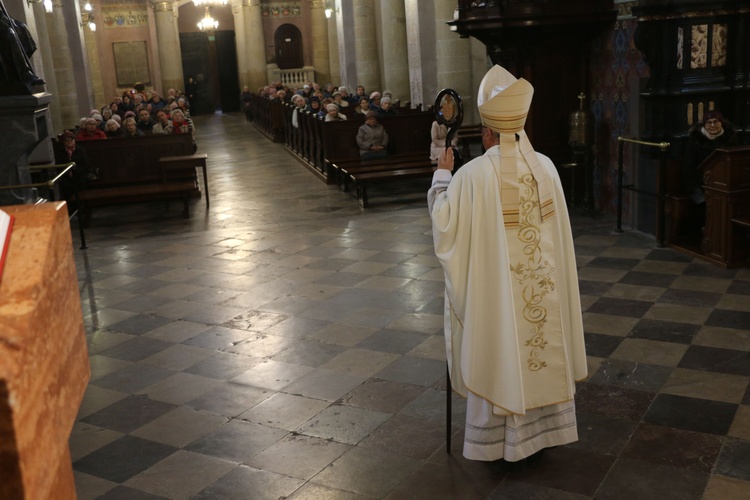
x=537, y=275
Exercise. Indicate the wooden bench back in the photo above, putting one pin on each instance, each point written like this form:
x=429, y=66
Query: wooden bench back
x=133, y=161
x=408, y=133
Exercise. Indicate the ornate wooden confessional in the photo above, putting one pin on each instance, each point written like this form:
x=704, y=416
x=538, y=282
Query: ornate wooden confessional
x=547, y=42
x=698, y=53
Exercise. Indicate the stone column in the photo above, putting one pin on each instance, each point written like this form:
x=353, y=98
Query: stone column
x=168, y=40
x=95, y=69
x=420, y=33
x=67, y=95
x=239, y=37
x=394, y=54
x=454, y=61
x=76, y=46
x=255, y=45
x=366, y=45
x=344, y=12
x=333, y=51
x=321, y=59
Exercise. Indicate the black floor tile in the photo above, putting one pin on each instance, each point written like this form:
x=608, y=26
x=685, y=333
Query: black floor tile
x=666, y=255
x=729, y=319
x=630, y=375
x=694, y=451
x=123, y=458
x=631, y=479
x=566, y=469
x=734, y=459
x=692, y=414
x=593, y=288
x=714, y=359
x=602, y=434
x=136, y=349
x=664, y=331
x=706, y=270
x=614, y=263
x=138, y=325
x=661, y=280
x=601, y=346
x=612, y=401
x=693, y=298
x=620, y=307
x=739, y=287
x=125, y=493
x=133, y=378
x=129, y=414
x=395, y=341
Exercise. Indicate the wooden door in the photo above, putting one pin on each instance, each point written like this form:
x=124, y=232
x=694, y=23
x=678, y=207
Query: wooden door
x=288, y=43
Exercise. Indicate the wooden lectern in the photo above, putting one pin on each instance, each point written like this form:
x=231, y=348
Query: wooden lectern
x=726, y=182
x=44, y=367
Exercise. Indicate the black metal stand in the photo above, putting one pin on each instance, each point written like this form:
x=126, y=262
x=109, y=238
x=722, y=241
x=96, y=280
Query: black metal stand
x=661, y=186
x=448, y=408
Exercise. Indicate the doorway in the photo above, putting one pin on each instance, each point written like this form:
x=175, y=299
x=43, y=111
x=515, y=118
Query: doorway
x=288, y=43
x=211, y=59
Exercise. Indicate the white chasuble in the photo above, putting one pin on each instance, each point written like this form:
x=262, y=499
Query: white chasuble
x=514, y=333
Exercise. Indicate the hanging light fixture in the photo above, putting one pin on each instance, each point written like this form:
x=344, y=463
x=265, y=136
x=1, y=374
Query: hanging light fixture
x=208, y=23
x=210, y=3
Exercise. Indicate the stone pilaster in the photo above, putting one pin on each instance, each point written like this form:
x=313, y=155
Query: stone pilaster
x=333, y=51
x=95, y=69
x=239, y=37
x=344, y=12
x=62, y=60
x=168, y=41
x=321, y=59
x=255, y=45
x=454, y=63
x=394, y=53
x=366, y=45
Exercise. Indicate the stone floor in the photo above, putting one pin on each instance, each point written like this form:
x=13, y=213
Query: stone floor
x=286, y=344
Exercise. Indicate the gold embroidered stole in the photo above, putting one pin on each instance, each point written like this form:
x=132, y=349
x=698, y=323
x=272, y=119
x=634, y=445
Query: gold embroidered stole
x=533, y=276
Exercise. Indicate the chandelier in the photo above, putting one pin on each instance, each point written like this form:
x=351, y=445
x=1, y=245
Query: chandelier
x=208, y=23
x=210, y=3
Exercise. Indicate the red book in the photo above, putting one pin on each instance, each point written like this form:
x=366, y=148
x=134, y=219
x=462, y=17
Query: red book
x=6, y=225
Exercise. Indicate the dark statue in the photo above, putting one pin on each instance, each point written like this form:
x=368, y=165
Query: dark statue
x=17, y=77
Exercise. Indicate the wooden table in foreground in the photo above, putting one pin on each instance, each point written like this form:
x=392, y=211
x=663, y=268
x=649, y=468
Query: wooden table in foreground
x=44, y=367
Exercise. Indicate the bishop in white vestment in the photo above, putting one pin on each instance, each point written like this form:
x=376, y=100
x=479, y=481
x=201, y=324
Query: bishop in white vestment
x=513, y=326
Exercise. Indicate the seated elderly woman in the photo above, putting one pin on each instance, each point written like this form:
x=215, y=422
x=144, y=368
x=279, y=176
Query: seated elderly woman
x=364, y=106
x=112, y=128
x=375, y=100
x=372, y=139
x=300, y=104
x=386, y=109
x=90, y=131
x=182, y=124
x=338, y=100
x=130, y=129
x=332, y=113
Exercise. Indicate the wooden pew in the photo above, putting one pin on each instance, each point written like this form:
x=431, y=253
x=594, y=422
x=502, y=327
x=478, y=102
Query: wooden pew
x=141, y=169
x=268, y=117
x=330, y=151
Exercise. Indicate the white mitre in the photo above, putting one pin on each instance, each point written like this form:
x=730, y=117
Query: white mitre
x=503, y=102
